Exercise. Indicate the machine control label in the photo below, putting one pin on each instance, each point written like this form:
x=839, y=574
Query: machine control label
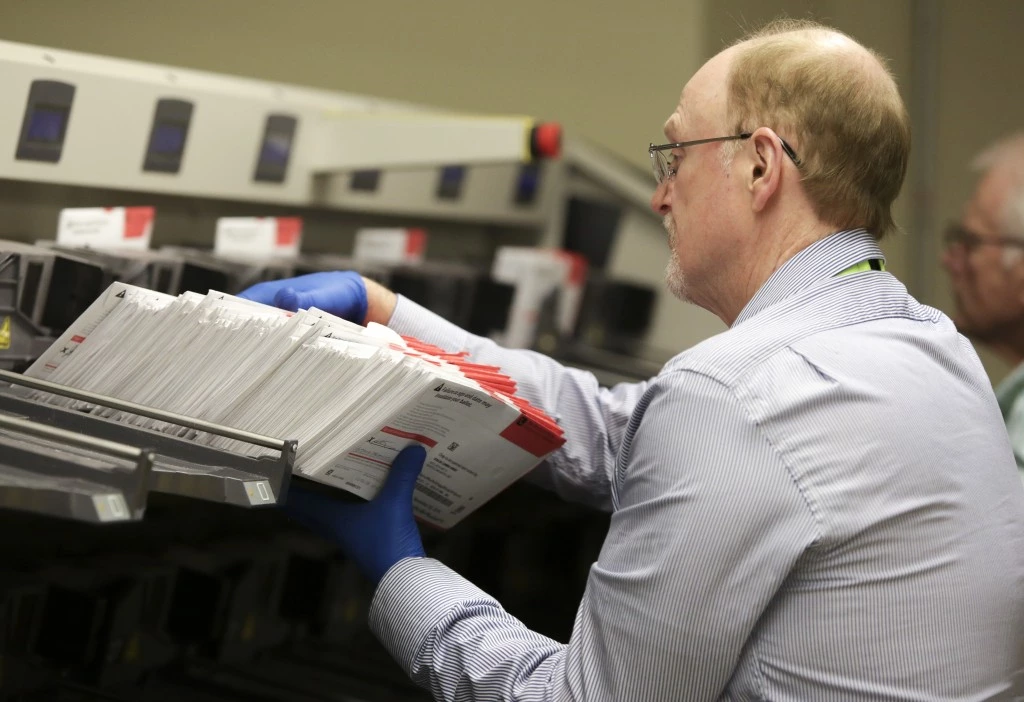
x=111, y=508
x=390, y=245
x=258, y=236
x=106, y=227
x=5, y=333
x=259, y=492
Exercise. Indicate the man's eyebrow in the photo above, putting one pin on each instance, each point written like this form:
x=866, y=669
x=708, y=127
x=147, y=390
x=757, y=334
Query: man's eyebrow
x=670, y=125
x=671, y=128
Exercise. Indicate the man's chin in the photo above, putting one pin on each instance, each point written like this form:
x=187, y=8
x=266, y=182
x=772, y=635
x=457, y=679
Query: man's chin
x=676, y=282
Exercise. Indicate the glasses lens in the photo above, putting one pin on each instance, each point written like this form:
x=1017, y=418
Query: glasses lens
x=660, y=165
x=656, y=164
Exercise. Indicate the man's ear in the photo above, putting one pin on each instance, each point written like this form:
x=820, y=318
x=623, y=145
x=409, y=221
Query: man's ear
x=764, y=168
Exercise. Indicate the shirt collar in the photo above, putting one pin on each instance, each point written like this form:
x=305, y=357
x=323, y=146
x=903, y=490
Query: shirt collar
x=821, y=260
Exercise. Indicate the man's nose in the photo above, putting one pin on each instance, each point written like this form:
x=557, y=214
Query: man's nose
x=660, y=199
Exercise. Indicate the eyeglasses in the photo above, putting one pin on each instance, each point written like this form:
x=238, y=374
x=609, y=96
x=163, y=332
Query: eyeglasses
x=661, y=162
x=959, y=235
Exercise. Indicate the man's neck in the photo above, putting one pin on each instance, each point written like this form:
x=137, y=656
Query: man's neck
x=762, y=262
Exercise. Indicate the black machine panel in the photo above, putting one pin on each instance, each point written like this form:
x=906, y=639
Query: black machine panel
x=74, y=286
x=449, y=185
x=201, y=279
x=275, y=148
x=527, y=184
x=167, y=136
x=366, y=181
x=47, y=113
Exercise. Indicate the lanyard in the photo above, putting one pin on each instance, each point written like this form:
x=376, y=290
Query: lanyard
x=872, y=264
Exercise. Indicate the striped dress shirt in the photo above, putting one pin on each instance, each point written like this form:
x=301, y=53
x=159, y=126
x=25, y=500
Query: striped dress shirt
x=820, y=503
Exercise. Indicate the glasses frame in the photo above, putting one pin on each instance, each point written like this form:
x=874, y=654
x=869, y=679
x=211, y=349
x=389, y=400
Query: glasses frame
x=657, y=158
x=958, y=235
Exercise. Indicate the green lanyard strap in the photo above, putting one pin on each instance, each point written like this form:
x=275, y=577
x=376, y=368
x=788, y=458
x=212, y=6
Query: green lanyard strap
x=872, y=264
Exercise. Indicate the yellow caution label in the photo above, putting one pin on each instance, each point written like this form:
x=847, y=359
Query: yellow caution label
x=132, y=650
x=5, y=334
x=248, y=632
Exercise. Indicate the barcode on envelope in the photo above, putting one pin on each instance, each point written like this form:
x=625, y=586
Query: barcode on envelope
x=434, y=495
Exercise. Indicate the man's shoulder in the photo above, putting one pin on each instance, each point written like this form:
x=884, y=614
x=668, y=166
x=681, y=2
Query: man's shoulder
x=836, y=305
x=727, y=355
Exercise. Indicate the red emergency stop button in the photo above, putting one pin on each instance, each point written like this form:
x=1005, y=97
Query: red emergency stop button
x=546, y=140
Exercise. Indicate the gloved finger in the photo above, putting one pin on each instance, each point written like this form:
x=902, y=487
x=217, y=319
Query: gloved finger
x=266, y=291
x=288, y=299
x=339, y=299
x=261, y=292
x=405, y=470
x=343, y=297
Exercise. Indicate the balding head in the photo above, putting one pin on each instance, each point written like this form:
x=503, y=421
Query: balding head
x=837, y=104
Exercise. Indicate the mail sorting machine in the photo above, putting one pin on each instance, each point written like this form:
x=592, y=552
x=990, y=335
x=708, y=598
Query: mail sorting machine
x=263, y=614
x=45, y=287
x=202, y=598
x=87, y=615
x=209, y=597
x=220, y=614
x=81, y=466
x=214, y=598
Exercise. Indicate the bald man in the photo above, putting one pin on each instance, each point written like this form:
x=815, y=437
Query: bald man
x=985, y=261
x=820, y=503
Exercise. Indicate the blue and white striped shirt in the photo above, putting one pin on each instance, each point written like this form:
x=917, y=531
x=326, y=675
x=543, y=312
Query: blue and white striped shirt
x=820, y=503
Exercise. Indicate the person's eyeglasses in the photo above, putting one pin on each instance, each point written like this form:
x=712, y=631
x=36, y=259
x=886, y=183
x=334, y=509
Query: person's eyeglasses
x=959, y=235
x=661, y=156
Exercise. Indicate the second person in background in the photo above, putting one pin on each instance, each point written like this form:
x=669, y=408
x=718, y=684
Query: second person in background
x=985, y=260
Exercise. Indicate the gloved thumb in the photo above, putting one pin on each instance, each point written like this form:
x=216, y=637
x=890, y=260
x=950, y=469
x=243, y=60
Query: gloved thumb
x=401, y=479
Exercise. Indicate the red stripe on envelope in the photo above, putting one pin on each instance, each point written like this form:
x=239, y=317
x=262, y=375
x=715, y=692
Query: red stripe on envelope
x=532, y=437
x=409, y=435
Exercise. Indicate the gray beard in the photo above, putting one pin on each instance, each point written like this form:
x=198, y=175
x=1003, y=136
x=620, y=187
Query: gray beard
x=674, y=279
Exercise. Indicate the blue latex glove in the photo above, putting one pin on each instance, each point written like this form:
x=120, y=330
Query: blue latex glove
x=375, y=534
x=342, y=293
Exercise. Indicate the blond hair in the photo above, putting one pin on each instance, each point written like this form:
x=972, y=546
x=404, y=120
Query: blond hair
x=837, y=104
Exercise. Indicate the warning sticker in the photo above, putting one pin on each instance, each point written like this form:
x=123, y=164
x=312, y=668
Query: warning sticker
x=5, y=333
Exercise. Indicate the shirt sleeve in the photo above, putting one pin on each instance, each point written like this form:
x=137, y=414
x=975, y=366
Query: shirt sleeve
x=593, y=418
x=708, y=525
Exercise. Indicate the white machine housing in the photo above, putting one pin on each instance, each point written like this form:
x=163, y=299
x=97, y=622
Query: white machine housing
x=76, y=119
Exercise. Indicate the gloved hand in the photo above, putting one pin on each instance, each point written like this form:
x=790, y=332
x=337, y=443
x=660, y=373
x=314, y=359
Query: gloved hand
x=341, y=293
x=375, y=534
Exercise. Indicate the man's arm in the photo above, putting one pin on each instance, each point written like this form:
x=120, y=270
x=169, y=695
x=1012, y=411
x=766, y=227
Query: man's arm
x=593, y=418
x=708, y=525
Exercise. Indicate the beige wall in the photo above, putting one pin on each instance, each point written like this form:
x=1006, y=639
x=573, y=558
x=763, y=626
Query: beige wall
x=608, y=71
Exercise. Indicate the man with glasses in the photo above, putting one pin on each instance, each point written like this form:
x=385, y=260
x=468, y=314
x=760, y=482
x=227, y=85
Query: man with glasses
x=818, y=503
x=985, y=261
